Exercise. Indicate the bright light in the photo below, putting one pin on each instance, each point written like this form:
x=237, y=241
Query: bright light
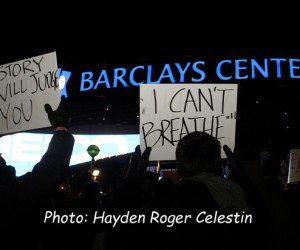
x=96, y=172
x=61, y=82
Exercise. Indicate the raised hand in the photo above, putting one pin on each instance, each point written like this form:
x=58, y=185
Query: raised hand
x=61, y=117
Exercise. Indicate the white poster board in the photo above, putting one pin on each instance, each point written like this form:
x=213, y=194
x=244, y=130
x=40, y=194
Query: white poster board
x=294, y=166
x=25, y=86
x=170, y=111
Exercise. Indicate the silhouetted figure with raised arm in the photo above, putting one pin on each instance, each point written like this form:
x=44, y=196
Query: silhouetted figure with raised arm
x=22, y=196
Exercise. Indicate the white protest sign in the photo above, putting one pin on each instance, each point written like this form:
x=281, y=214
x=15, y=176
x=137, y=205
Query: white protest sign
x=294, y=166
x=25, y=86
x=170, y=111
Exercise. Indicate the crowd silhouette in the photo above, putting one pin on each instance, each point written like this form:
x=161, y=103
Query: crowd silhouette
x=250, y=206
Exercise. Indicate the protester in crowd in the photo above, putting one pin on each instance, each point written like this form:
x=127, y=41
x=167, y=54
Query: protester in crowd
x=201, y=194
x=203, y=188
x=7, y=172
x=285, y=217
x=21, y=196
x=266, y=187
x=129, y=197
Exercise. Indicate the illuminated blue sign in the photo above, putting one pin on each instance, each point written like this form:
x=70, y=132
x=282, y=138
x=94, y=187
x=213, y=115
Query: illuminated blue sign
x=233, y=70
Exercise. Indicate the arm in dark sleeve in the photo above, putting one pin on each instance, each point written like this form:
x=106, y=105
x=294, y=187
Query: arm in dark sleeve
x=55, y=162
x=20, y=196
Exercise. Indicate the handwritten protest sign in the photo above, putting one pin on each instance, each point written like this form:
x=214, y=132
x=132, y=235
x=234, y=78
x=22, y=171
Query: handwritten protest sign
x=170, y=111
x=294, y=166
x=25, y=86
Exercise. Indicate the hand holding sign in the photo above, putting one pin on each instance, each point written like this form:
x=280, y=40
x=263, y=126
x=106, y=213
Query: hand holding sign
x=61, y=117
x=138, y=165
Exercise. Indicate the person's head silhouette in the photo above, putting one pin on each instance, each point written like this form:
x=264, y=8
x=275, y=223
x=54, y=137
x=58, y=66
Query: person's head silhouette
x=198, y=152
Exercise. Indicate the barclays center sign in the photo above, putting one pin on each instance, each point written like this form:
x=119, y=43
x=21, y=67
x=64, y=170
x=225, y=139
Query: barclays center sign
x=226, y=70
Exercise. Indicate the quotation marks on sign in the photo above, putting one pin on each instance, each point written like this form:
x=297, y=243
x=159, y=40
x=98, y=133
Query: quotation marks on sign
x=231, y=116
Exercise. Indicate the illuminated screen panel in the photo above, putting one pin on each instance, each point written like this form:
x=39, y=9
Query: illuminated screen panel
x=24, y=150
